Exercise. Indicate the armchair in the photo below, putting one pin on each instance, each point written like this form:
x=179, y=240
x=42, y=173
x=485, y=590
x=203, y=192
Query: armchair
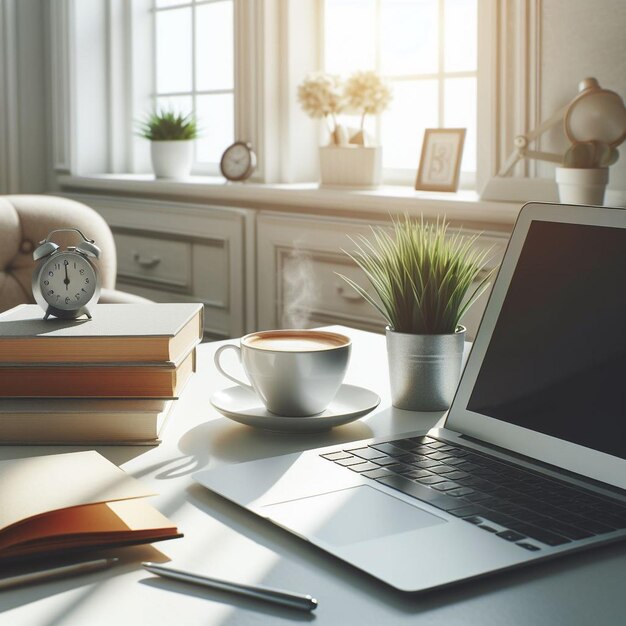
x=25, y=220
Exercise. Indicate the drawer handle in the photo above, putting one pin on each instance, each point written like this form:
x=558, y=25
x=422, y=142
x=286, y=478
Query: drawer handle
x=348, y=294
x=146, y=263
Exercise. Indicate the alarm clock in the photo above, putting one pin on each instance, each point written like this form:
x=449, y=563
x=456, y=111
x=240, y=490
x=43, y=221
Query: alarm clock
x=66, y=283
x=238, y=161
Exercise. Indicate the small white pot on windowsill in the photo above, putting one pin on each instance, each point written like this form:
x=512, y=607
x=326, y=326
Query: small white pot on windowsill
x=351, y=166
x=582, y=185
x=172, y=158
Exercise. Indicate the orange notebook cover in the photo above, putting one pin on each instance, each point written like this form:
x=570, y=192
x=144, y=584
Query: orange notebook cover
x=75, y=501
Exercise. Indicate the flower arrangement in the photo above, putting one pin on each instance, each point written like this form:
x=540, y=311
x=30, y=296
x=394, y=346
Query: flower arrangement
x=325, y=96
x=366, y=93
x=320, y=95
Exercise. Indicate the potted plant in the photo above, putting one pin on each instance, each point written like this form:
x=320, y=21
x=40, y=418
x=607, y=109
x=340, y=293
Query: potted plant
x=584, y=174
x=350, y=158
x=171, y=138
x=424, y=279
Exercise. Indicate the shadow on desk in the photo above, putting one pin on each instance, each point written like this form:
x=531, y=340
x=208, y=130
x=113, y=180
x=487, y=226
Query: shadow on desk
x=231, y=442
x=337, y=574
x=130, y=559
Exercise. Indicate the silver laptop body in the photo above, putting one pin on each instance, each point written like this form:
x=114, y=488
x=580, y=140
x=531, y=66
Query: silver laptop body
x=538, y=393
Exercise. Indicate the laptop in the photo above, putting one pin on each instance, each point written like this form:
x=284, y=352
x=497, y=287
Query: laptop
x=531, y=463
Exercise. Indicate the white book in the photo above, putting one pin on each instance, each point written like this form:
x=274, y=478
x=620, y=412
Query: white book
x=78, y=421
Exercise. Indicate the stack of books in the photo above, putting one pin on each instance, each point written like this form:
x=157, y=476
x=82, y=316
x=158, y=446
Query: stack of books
x=112, y=379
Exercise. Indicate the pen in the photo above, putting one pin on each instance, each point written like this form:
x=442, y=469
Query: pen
x=56, y=572
x=284, y=598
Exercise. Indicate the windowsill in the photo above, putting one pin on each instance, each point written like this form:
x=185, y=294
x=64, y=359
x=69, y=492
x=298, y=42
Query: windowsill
x=463, y=205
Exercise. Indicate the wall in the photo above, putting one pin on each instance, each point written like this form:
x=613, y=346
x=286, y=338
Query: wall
x=24, y=152
x=582, y=38
x=579, y=38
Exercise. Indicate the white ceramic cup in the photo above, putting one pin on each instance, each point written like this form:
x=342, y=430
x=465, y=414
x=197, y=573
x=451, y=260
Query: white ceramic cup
x=295, y=373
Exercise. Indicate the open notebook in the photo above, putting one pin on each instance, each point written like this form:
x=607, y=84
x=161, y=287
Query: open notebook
x=75, y=501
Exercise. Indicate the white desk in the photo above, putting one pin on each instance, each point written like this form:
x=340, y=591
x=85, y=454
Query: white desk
x=224, y=541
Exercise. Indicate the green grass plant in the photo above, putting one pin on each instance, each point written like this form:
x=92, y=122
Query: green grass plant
x=425, y=277
x=166, y=125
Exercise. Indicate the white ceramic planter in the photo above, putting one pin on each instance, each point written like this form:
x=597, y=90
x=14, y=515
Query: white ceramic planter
x=351, y=166
x=171, y=159
x=582, y=186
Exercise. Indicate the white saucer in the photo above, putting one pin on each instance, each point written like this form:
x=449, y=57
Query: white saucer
x=244, y=406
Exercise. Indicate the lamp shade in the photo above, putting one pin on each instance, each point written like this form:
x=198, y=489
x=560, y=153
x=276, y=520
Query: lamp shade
x=596, y=114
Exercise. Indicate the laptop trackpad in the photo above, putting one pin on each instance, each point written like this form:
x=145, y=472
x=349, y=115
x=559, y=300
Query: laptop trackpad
x=349, y=515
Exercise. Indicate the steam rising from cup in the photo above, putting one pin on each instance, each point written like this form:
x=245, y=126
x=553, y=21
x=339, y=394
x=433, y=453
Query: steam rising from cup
x=299, y=289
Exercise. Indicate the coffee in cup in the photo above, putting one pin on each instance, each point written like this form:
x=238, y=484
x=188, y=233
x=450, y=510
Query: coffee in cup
x=295, y=373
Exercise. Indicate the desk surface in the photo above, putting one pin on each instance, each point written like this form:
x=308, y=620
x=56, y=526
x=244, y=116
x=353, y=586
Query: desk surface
x=224, y=541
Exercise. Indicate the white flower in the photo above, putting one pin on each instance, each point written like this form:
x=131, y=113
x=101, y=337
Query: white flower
x=320, y=95
x=366, y=93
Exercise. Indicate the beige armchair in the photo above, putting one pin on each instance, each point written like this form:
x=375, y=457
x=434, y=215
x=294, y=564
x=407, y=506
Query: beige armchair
x=26, y=220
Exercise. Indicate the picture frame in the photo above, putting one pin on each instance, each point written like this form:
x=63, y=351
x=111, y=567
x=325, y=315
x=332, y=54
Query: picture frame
x=440, y=162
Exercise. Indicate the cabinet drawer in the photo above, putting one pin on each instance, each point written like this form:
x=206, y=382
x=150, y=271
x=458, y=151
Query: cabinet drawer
x=154, y=260
x=312, y=289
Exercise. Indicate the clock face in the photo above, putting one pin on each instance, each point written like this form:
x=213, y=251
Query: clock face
x=67, y=281
x=238, y=161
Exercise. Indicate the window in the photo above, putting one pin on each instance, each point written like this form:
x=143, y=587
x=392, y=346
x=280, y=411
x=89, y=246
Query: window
x=194, y=70
x=427, y=49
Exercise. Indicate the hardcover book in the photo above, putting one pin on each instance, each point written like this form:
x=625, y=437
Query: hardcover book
x=139, y=333
x=89, y=380
x=82, y=421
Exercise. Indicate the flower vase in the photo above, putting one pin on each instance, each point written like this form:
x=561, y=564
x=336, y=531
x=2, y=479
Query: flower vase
x=351, y=166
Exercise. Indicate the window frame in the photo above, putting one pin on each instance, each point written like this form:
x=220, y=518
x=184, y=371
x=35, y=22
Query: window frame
x=485, y=10
x=198, y=167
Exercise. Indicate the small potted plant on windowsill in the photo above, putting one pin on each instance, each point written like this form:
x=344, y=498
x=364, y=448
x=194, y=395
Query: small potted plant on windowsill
x=584, y=174
x=350, y=158
x=171, y=138
x=425, y=280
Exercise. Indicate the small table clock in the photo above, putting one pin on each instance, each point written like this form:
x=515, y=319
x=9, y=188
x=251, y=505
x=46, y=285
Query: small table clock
x=238, y=161
x=66, y=283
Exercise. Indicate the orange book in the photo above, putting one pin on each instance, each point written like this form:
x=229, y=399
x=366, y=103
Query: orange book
x=75, y=501
x=108, y=380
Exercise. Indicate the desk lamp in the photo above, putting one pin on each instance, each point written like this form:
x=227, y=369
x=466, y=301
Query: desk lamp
x=595, y=123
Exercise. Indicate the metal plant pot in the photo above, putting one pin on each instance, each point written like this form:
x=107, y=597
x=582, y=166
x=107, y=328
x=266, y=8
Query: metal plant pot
x=424, y=370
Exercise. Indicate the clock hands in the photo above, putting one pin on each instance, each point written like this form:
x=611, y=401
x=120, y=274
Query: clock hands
x=66, y=280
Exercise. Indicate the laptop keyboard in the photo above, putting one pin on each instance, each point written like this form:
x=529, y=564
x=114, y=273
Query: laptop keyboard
x=515, y=504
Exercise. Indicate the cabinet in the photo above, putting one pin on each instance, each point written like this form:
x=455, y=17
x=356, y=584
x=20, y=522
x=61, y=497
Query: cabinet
x=179, y=252
x=252, y=269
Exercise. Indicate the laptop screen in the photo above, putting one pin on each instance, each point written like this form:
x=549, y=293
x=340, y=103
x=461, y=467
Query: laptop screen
x=556, y=361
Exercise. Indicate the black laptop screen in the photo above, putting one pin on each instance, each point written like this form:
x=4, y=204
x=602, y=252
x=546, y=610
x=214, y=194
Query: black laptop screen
x=556, y=362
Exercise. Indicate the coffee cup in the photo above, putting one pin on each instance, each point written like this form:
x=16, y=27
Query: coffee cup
x=295, y=373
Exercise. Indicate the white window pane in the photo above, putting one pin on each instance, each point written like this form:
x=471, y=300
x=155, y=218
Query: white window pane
x=182, y=105
x=217, y=127
x=409, y=36
x=214, y=46
x=460, y=112
x=349, y=35
x=414, y=108
x=460, y=35
x=173, y=50
x=170, y=3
